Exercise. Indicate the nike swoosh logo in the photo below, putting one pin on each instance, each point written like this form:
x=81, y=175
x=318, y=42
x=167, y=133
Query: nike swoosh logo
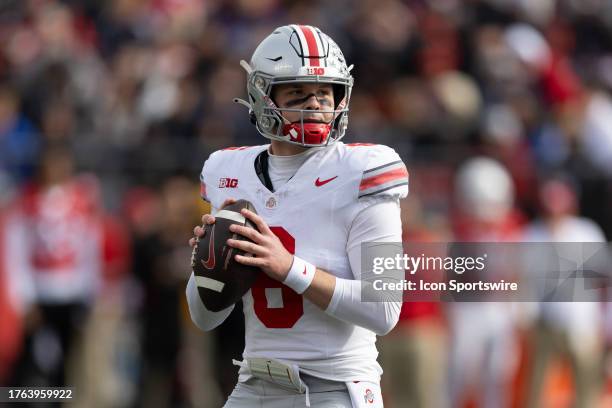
x=320, y=183
x=304, y=273
x=275, y=59
x=210, y=262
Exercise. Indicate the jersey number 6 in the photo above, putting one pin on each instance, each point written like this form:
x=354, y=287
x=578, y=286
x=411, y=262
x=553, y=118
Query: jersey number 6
x=292, y=305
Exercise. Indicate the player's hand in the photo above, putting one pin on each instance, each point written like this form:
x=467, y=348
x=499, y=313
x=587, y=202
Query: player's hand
x=207, y=219
x=269, y=253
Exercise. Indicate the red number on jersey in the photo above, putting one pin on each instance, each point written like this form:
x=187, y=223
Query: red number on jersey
x=293, y=306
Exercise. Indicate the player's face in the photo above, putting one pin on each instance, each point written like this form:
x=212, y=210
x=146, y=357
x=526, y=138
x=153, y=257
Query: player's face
x=306, y=96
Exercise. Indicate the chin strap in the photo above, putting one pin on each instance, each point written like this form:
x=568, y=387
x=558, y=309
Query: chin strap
x=309, y=133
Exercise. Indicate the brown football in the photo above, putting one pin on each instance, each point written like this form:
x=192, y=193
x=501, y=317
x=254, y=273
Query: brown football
x=222, y=281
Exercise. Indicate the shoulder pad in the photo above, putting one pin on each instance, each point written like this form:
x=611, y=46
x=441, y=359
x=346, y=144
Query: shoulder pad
x=219, y=160
x=205, y=175
x=384, y=175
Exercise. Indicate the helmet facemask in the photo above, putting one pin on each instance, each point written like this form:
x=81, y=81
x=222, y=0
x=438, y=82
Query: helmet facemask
x=272, y=120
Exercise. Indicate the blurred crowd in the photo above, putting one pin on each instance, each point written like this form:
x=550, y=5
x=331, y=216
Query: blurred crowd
x=501, y=109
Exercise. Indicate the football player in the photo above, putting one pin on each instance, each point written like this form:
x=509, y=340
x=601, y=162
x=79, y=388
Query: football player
x=310, y=340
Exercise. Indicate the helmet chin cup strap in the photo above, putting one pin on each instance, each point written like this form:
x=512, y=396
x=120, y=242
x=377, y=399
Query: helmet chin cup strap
x=311, y=133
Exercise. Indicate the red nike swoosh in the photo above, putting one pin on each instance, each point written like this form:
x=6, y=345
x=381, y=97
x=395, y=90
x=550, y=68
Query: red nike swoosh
x=210, y=262
x=304, y=273
x=320, y=183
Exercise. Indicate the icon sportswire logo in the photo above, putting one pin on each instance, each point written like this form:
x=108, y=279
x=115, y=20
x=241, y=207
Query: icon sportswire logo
x=210, y=262
x=319, y=182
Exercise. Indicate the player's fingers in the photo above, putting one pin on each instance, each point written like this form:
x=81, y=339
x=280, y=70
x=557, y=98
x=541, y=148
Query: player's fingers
x=208, y=219
x=192, y=242
x=249, y=260
x=257, y=220
x=247, y=232
x=247, y=246
x=228, y=202
x=198, y=231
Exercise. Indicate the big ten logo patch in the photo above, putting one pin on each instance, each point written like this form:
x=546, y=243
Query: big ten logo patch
x=316, y=71
x=226, y=182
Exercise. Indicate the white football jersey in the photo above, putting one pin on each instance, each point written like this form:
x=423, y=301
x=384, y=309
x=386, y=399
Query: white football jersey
x=312, y=215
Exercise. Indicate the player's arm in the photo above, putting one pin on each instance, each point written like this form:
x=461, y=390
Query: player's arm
x=341, y=298
x=379, y=222
x=384, y=181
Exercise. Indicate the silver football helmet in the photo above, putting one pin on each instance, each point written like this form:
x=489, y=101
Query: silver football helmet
x=297, y=54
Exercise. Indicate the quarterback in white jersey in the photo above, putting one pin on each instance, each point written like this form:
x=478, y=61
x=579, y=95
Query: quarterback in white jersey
x=309, y=337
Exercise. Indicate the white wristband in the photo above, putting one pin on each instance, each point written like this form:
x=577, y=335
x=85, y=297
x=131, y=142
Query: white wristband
x=300, y=275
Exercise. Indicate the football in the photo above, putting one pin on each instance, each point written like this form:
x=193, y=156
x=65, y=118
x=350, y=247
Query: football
x=222, y=281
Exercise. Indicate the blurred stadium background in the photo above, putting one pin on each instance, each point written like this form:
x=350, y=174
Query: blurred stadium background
x=501, y=109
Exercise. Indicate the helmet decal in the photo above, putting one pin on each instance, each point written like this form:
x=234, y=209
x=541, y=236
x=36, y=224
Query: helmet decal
x=311, y=45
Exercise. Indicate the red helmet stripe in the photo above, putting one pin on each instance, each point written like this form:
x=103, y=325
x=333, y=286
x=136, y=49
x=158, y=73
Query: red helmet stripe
x=311, y=41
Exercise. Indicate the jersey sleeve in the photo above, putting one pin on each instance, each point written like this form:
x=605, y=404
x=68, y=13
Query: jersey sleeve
x=205, y=178
x=203, y=188
x=385, y=175
x=219, y=166
x=207, y=175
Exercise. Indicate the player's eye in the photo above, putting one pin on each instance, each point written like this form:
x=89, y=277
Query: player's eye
x=324, y=92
